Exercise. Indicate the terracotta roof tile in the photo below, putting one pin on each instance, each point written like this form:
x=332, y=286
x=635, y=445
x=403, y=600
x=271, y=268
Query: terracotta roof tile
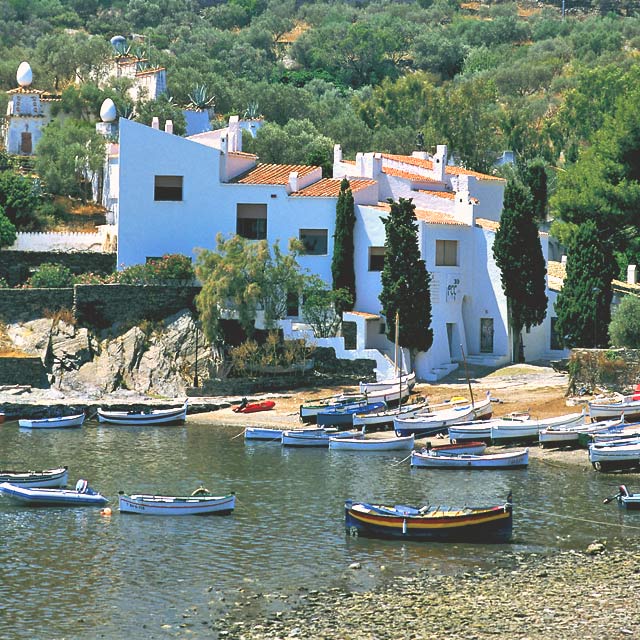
x=365, y=315
x=448, y=195
x=330, y=188
x=481, y=176
x=437, y=217
x=428, y=164
x=272, y=173
x=491, y=225
x=407, y=175
x=557, y=272
x=241, y=154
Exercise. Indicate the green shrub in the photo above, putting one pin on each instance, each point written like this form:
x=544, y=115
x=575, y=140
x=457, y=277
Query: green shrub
x=51, y=276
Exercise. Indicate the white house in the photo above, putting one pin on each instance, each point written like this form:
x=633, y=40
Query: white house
x=175, y=194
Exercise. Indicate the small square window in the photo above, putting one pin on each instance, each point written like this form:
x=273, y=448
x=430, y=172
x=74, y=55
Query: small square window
x=251, y=221
x=446, y=253
x=314, y=241
x=376, y=258
x=168, y=188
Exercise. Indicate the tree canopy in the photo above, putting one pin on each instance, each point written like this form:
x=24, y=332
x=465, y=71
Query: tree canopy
x=342, y=266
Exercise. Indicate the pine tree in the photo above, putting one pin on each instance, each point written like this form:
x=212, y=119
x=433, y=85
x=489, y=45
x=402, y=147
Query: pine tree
x=584, y=303
x=518, y=254
x=342, y=268
x=405, y=280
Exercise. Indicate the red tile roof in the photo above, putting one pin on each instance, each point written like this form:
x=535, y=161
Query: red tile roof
x=330, y=187
x=273, y=173
x=425, y=215
x=407, y=175
x=428, y=164
x=448, y=195
x=490, y=225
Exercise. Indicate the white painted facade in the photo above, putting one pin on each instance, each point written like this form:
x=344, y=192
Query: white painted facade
x=103, y=240
x=455, y=208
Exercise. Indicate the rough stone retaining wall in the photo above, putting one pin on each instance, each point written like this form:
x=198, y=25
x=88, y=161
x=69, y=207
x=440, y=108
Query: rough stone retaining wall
x=23, y=371
x=600, y=369
x=17, y=266
x=101, y=306
x=17, y=305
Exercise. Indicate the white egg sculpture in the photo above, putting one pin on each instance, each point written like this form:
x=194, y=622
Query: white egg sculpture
x=24, y=75
x=108, y=111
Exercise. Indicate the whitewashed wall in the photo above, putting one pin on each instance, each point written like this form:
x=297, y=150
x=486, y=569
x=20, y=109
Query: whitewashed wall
x=102, y=240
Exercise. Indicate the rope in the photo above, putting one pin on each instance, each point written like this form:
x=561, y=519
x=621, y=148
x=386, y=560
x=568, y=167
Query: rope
x=560, y=515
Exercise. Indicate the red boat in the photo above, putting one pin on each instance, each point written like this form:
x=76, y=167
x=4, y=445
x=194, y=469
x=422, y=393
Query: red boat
x=253, y=407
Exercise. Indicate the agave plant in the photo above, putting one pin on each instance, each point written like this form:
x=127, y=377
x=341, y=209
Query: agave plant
x=199, y=98
x=252, y=112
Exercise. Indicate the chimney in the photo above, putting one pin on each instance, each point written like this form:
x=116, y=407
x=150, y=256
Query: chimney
x=360, y=164
x=439, y=162
x=155, y=123
x=632, y=274
x=337, y=153
x=235, y=135
x=293, y=181
x=372, y=165
x=168, y=126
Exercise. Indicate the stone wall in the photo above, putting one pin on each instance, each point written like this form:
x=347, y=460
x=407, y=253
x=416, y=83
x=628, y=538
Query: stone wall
x=17, y=266
x=100, y=306
x=596, y=370
x=19, y=305
x=23, y=371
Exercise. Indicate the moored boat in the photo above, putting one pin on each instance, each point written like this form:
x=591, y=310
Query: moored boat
x=371, y=444
x=625, y=498
x=174, y=416
x=627, y=405
x=471, y=447
x=437, y=523
x=506, y=431
x=507, y=460
x=46, y=478
x=574, y=435
x=315, y=437
x=614, y=456
x=380, y=420
x=343, y=416
x=200, y=502
x=82, y=495
x=309, y=410
x=62, y=422
x=395, y=382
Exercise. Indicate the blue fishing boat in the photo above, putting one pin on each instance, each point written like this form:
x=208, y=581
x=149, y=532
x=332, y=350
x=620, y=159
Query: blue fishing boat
x=343, y=416
x=433, y=523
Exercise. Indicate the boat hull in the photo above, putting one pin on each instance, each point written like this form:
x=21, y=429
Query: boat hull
x=344, y=417
x=263, y=433
x=302, y=437
x=479, y=525
x=150, y=505
x=165, y=417
x=511, y=460
x=51, y=497
x=614, y=457
x=36, y=479
x=255, y=407
x=370, y=445
x=64, y=422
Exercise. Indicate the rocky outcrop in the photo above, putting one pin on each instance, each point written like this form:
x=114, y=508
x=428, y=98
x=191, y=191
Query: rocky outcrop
x=161, y=360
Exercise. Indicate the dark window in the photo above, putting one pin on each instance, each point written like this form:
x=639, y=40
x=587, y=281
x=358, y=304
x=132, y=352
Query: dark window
x=314, y=241
x=293, y=304
x=168, y=188
x=149, y=259
x=446, y=253
x=251, y=221
x=556, y=343
x=376, y=258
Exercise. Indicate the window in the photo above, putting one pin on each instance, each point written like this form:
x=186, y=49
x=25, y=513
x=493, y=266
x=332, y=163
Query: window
x=446, y=253
x=293, y=302
x=251, y=221
x=168, y=188
x=314, y=241
x=556, y=343
x=376, y=258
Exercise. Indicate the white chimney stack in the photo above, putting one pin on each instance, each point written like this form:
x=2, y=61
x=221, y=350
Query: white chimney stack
x=632, y=274
x=440, y=162
x=293, y=181
x=563, y=261
x=168, y=126
x=155, y=123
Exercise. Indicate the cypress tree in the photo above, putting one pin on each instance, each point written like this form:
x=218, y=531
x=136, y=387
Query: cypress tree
x=342, y=268
x=405, y=280
x=584, y=303
x=518, y=254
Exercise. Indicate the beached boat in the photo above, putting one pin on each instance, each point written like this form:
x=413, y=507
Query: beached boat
x=371, y=444
x=315, y=437
x=507, y=431
x=63, y=422
x=614, y=456
x=309, y=410
x=429, y=423
x=625, y=499
x=616, y=432
x=174, y=416
x=381, y=420
x=82, y=495
x=435, y=523
x=469, y=446
x=45, y=478
x=253, y=407
x=507, y=460
x=343, y=416
x=395, y=382
x=275, y=435
x=576, y=435
x=627, y=405
x=200, y=502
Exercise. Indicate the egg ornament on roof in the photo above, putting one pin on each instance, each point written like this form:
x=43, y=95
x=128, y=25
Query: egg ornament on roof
x=24, y=75
x=108, y=111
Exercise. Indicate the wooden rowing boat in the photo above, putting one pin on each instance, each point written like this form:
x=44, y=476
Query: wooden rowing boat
x=201, y=502
x=62, y=422
x=507, y=460
x=371, y=444
x=316, y=437
x=174, y=416
x=430, y=523
x=30, y=479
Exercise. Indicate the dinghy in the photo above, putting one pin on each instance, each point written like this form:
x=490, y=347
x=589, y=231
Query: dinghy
x=309, y=410
x=174, y=416
x=63, y=422
x=82, y=495
x=200, y=502
x=625, y=499
x=371, y=444
x=343, y=416
x=315, y=437
x=614, y=456
x=30, y=479
x=436, y=523
x=508, y=460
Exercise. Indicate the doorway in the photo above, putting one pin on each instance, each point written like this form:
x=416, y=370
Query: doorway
x=486, y=335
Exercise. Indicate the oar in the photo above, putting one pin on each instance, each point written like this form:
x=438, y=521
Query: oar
x=240, y=434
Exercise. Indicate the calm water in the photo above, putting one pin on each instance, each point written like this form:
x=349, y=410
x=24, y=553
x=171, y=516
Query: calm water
x=70, y=573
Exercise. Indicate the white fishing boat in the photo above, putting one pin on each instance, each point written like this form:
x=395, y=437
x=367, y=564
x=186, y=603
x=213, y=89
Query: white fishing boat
x=427, y=423
x=201, y=502
x=529, y=430
x=453, y=448
x=271, y=434
x=82, y=495
x=627, y=405
x=174, y=416
x=621, y=431
x=372, y=444
x=380, y=420
x=309, y=410
x=298, y=437
x=41, y=479
x=407, y=380
x=508, y=460
x=614, y=456
x=62, y=422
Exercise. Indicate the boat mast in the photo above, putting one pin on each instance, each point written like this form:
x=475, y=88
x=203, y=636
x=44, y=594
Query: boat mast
x=466, y=373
